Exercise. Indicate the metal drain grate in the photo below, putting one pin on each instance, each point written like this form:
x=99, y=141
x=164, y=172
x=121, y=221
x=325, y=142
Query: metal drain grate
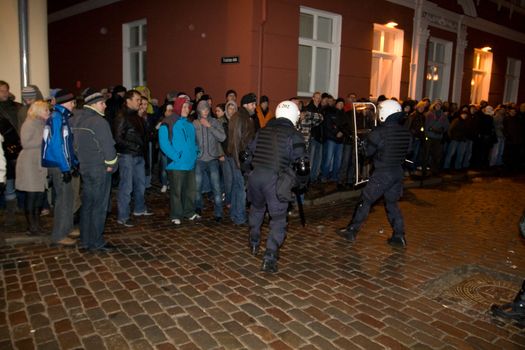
x=480, y=291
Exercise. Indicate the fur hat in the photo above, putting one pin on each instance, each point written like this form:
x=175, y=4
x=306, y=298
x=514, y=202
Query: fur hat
x=249, y=98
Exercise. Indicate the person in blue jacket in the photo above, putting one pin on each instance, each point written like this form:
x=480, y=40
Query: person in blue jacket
x=178, y=141
x=58, y=155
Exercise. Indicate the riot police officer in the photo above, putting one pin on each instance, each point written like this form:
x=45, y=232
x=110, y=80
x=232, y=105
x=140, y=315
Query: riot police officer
x=388, y=145
x=275, y=152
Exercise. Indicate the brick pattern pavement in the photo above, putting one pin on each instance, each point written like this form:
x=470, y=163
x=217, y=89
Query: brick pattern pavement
x=196, y=286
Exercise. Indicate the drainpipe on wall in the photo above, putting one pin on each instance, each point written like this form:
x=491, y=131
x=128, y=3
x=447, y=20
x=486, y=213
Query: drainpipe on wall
x=261, y=46
x=23, y=38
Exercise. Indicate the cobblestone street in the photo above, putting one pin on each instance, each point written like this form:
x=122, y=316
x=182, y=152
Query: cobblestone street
x=196, y=286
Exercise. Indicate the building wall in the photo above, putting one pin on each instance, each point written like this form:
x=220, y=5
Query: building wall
x=187, y=39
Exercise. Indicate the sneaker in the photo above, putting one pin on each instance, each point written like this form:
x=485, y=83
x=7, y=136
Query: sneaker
x=163, y=189
x=75, y=233
x=194, y=217
x=66, y=242
x=175, y=221
x=45, y=212
x=144, y=213
x=126, y=223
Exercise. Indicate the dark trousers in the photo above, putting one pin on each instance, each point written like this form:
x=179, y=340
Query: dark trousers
x=33, y=204
x=387, y=183
x=262, y=195
x=96, y=186
x=182, y=193
x=433, y=152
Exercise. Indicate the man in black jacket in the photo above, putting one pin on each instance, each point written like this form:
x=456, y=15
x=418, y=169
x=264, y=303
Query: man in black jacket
x=129, y=131
x=388, y=144
x=95, y=149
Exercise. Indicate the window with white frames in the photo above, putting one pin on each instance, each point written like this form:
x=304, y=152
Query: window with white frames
x=481, y=71
x=439, y=58
x=319, y=52
x=512, y=80
x=134, y=36
x=387, y=52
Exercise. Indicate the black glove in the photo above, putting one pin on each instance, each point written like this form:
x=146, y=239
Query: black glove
x=75, y=171
x=2, y=188
x=66, y=177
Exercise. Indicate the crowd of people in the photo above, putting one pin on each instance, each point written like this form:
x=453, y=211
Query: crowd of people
x=125, y=138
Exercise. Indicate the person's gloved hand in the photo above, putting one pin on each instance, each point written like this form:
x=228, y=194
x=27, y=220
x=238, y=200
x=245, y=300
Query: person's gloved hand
x=75, y=172
x=2, y=188
x=66, y=177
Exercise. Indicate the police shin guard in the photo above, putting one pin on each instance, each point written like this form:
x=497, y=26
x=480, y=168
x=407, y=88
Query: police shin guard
x=514, y=310
x=269, y=263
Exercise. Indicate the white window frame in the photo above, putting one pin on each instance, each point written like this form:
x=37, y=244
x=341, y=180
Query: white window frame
x=512, y=79
x=127, y=50
x=447, y=64
x=334, y=47
x=486, y=71
x=396, y=57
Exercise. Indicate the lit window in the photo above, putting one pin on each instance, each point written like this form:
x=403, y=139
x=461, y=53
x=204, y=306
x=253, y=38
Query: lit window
x=387, y=52
x=437, y=77
x=481, y=70
x=134, y=36
x=512, y=80
x=319, y=51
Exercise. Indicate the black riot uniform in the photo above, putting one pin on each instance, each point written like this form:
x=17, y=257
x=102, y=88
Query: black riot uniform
x=388, y=144
x=275, y=148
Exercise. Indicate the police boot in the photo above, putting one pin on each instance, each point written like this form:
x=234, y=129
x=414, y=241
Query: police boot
x=269, y=263
x=349, y=233
x=397, y=240
x=514, y=310
x=254, y=249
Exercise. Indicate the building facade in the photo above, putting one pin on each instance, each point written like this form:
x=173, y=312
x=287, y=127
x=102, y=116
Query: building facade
x=462, y=51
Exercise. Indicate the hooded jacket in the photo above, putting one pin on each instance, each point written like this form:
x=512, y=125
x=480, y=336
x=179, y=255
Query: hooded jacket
x=57, y=143
x=182, y=150
x=208, y=139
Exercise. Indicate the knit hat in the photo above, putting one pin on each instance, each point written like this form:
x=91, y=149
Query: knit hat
x=63, y=96
x=231, y=91
x=179, y=102
x=118, y=88
x=199, y=89
x=249, y=98
x=92, y=96
x=264, y=98
x=202, y=106
x=29, y=93
x=171, y=96
x=489, y=110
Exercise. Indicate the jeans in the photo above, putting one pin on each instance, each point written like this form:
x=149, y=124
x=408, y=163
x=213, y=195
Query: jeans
x=227, y=178
x=182, y=193
x=468, y=154
x=496, y=155
x=332, y=154
x=210, y=168
x=163, y=174
x=96, y=188
x=316, y=158
x=132, y=180
x=416, y=156
x=347, y=170
x=455, y=148
x=237, y=193
x=63, y=212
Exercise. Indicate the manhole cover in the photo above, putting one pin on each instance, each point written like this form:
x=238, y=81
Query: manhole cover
x=481, y=290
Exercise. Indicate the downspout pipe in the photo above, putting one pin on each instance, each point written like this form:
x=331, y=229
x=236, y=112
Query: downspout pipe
x=261, y=47
x=24, y=42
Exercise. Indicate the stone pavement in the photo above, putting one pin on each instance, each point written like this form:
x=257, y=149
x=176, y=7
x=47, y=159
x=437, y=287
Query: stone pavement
x=197, y=287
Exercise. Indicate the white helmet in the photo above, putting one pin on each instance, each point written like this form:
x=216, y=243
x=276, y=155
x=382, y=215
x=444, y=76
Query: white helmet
x=387, y=108
x=288, y=110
